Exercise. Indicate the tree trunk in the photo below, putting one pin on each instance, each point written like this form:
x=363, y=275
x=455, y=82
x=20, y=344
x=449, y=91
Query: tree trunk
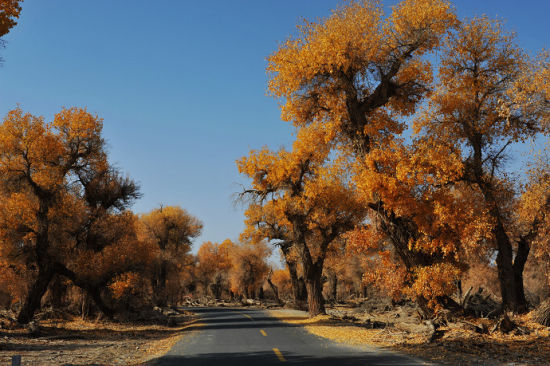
x=315, y=300
x=274, y=288
x=161, y=290
x=32, y=302
x=299, y=290
x=334, y=288
x=510, y=273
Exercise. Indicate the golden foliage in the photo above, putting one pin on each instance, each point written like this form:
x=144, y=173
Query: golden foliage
x=9, y=12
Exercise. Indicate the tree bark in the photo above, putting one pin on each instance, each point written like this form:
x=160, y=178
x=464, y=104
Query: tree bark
x=38, y=289
x=314, y=285
x=510, y=271
x=334, y=287
x=274, y=288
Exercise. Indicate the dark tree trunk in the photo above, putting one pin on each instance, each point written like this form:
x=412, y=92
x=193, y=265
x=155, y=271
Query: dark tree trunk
x=275, y=289
x=93, y=290
x=57, y=291
x=38, y=289
x=161, y=290
x=314, y=285
x=510, y=272
x=334, y=288
x=299, y=290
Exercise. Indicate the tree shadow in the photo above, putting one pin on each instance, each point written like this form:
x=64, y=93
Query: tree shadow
x=270, y=358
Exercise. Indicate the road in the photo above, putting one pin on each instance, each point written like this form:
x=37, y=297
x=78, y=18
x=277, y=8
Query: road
x=229, y=336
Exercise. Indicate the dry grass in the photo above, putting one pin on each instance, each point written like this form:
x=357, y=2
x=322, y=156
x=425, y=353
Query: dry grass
x=79, y=342
x=457, y=346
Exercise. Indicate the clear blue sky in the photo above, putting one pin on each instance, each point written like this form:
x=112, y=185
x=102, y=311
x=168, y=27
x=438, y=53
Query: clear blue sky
x=180, y=84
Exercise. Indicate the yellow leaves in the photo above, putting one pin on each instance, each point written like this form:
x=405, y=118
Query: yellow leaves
x=341, y=43
x=339, y=59
x=435, y=281
x=171, y=228
x=9, y=12
x=420, y=22
x=126, y=284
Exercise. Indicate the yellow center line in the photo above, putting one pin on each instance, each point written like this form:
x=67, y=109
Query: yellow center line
x=248, y=316
x=279, y=355
x=263, y=332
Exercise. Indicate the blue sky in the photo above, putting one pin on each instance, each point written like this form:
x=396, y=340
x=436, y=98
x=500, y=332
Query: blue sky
x=181, y=84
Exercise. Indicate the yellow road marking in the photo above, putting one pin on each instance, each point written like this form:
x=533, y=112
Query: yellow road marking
x=279, y=355
x=248, y=316
x=263, y=332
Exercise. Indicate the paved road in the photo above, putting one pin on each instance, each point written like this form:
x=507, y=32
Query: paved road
x=226, y=336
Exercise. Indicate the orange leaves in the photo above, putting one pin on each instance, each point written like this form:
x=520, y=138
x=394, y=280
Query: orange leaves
x=420, y=21
x=335, y=60
x=435, y=281
x=9, y=12
x=171, y=228
x=126, y=284
x=330, y=46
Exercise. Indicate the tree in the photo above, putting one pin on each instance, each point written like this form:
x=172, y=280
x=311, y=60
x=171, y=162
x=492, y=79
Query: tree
x=363, y=77
x=307, y=195
x=214, y=264
x=60, y=198
x=480, y=70
x=9, y=12
x=262, y=224
x=356, y=73
x=248, y=268
x=172, y=229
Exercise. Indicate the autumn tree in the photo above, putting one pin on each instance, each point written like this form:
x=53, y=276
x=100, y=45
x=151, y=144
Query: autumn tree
x=172, y=229
x=343, y=272
x=479, y=72
x=9, y=12
x=356, y=73
x=60, y=202
x=263, y=223
x=248, y=268
x=306, y=192
x=214, y=264
x=281, y=279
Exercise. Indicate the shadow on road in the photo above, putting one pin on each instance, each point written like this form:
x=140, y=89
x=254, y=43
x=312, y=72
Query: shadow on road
x=269, y=358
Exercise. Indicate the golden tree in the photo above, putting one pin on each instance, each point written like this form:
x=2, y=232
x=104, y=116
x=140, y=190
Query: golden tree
x=261, y=222
x=172, y=229
x=479, y=74
x=362, y=75
x=9, y=12
x=355, y=73
x=61, y=203
x=248, y=269
x=306, y=193
x=214, y=263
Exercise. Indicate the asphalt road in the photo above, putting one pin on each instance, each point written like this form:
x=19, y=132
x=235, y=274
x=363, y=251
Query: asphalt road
x=226, y=336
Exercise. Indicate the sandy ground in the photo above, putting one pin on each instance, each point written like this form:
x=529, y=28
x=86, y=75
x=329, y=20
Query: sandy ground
x=78, y=342
x=400, y=330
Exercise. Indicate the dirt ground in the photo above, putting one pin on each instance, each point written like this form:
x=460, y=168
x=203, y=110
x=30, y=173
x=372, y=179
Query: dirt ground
x=399, y=329
x=72, y=341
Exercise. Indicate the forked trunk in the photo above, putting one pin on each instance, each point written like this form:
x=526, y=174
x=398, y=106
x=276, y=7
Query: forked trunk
x=510, y=272
x=299, y=291
x=38, y=289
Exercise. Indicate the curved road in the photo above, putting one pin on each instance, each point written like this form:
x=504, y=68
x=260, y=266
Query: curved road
x=230, y=336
